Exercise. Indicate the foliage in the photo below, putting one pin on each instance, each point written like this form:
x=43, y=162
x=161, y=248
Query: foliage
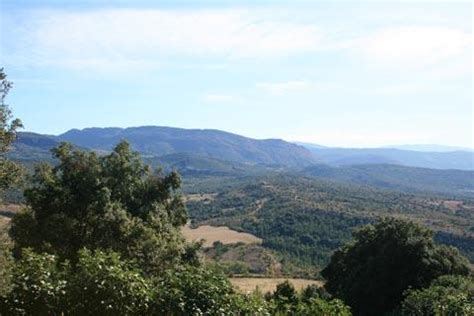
x=9, y=171
x=372, y=273
x=38, y=286
x=102, y=202
x=304, y=220
x=286, y=301
x=6, y=263
x=192, y=290
x=100, y=283
x=447, y=295
x=320, y=307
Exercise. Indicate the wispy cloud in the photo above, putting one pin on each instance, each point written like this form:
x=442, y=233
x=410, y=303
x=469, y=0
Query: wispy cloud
x=280, y=88
x=412, y=46
x=218, y=98
x=129, y=37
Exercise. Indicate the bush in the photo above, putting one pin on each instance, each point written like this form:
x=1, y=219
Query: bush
x=194, y=291
x=99, y=284
x=447, y=295
x=372, y=273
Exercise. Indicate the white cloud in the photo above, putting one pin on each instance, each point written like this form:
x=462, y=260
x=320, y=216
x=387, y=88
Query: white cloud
x=280, y=88
x=412, y=46
x=218, y=98
x=131, y=37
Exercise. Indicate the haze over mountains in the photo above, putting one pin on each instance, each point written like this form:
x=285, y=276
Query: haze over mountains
x=213, y=152
x=155, y=141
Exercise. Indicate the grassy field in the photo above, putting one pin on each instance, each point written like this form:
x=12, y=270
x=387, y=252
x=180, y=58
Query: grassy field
x=248, y=285
x=222, y=233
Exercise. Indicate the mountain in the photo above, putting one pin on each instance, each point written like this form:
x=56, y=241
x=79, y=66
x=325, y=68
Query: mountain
x=154, y=141
x=399, y=178
x=431, y=148
x=32, y=147
x=463, y=160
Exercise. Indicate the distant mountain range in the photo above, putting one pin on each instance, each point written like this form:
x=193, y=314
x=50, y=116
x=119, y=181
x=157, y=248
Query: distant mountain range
x=463, y=160
x=431, y=148
x=154, y=141
x=218, y=153
x=215, y=145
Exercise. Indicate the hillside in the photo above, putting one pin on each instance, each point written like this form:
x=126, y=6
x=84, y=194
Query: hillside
x=400, y=178
x=463, y=160
x=159, y=141
x=304, y=219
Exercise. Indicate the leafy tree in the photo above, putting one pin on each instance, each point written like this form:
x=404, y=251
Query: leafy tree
x=38, y=286
x=190, y=290
x=314, y=291
x=102, y=202
x=372, y=273
x=99, y=284
x=447, y=295
x=103, y=284
x=321, y=307
x=9, y=171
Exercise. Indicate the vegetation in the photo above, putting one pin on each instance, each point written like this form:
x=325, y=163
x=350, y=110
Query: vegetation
x=303, y=220
x=100, y=234
x=108, y=202
x=447, y=295
x=386, y=259
x=10, y=173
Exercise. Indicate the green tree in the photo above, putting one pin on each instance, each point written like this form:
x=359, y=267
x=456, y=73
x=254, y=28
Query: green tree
x=99, y=284
x=372, y=273
x=447, y=295
x=321, y=307
x=9, y=171
x=190, y=290
x=102, y=202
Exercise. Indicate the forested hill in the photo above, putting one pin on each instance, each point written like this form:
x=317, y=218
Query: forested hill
x=399, y=178
x=159, y=141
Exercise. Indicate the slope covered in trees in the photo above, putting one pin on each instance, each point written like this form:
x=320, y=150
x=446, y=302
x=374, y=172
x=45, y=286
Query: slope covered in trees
x=305, y=219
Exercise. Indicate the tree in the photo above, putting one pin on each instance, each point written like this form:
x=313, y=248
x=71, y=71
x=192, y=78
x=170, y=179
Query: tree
x=447, y=295
x=191, y=290
x=102, y=202
x=9, y=171
x=384, y=260
x=99, y=284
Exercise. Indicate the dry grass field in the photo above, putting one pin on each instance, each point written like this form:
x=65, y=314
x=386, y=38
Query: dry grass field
x=248, y=285
x=222, y=233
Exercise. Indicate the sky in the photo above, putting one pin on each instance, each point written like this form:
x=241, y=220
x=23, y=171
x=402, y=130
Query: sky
x=349, y=74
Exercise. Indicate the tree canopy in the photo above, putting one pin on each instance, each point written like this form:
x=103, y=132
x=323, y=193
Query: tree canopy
x=102, y=202
x=385, y=259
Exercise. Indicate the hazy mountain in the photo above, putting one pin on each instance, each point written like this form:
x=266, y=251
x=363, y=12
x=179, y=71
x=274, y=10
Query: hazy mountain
x=431, y=148
x=215, y=153
x=159, y=141
x=463, y=160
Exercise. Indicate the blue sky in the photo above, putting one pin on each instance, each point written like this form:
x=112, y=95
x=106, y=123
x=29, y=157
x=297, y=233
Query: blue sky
x=335, y=73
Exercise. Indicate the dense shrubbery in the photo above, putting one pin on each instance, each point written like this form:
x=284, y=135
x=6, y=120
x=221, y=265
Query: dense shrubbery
x=447, y=295
x=386, y=259
x=108, y=202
